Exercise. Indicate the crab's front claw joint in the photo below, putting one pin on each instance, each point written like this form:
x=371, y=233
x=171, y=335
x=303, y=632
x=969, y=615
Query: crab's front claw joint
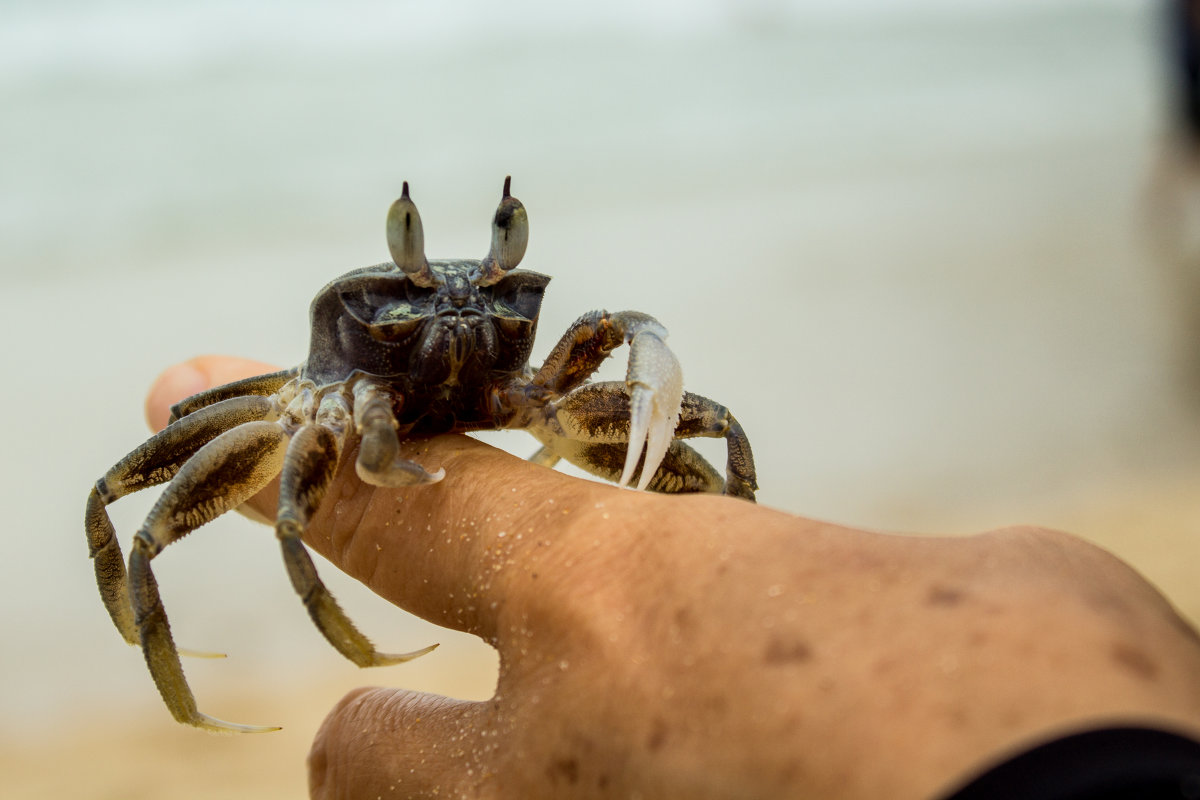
x=654, y=381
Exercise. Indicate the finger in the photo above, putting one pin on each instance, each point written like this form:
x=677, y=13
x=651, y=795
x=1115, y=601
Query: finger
x=192, y=376
x=397, y=744
x=490, y=537
x=458, y=552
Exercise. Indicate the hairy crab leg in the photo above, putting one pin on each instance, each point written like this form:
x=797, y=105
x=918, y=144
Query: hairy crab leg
x=154, y=462
x=700, y=416
x=682, y=471
x=685, y=470
x=263, y=385
x=654, y=379
x=589, y=427
x=379, y=462
x=579, y=352
x=224, y=473
x=308, y=468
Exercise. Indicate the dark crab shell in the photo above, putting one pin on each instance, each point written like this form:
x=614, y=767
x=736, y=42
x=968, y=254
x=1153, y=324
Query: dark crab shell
x=372, y=321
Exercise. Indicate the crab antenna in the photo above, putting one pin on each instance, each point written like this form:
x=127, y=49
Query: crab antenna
x=510, y=235
x=406, y=239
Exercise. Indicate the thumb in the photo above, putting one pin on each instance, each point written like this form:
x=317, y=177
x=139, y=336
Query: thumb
x=399, y=744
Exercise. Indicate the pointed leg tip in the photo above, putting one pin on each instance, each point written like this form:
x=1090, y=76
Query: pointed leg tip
x=401, y=474
x=184, y=651
x=388, y=659
x=214, y=725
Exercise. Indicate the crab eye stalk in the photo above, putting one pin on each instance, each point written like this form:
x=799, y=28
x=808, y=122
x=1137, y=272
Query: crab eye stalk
x=406, y=240
x=510, y=235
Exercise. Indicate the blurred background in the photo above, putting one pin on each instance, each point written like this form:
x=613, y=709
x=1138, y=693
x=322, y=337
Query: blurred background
x=934, y=255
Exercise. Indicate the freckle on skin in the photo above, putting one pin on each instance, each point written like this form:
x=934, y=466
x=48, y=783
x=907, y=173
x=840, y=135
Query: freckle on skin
x=658, y=736
x=787, y=652
x=1135, y=661
x=945, y=596
x=563, y=769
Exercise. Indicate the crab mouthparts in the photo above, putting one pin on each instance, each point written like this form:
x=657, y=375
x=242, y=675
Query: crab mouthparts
x=456, y=334
x=462, y=343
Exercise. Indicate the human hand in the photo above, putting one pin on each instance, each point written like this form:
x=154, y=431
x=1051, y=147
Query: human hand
x=700, y=646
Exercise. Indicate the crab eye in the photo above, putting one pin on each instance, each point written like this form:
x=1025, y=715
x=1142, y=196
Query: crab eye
x=510, y=236
x=406, y=240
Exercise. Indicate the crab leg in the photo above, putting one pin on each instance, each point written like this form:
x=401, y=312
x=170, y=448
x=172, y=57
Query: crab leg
x=682, y=471
x=257, y=385
x=703, y=417
x=654, y=379
x=590, y=426
x=224, y=473
x=579, y=353
x=546, y=457
x=308, y=468
x=379, y=462
x=685, y=470
x=154, y=462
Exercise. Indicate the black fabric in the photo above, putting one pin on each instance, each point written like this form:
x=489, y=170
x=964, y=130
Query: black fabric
x=1107, y=764
x=1182, y=19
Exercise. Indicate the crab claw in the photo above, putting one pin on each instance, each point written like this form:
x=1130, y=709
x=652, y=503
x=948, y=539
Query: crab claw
x=655, y=383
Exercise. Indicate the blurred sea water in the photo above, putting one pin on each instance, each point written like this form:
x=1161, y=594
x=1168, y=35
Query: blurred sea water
x=903, y=242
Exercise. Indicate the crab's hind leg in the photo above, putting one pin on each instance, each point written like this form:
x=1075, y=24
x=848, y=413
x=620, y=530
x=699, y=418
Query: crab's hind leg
x=590, y=426
x=308, y=468
x=700, y=416
x=224, y=473
x=263, y=385
x=154, y=462
x=682, y=471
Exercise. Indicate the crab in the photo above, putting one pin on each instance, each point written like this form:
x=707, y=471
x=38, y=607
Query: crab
x=409, y=347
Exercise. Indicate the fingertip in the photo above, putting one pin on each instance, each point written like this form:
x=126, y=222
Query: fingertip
x=192, y=376
x=172, y=385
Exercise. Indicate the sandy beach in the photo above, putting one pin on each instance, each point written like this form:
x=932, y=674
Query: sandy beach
x=914, y=252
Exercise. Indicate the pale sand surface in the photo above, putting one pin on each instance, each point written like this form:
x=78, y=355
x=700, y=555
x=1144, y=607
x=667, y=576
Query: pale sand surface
x=142, y=755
